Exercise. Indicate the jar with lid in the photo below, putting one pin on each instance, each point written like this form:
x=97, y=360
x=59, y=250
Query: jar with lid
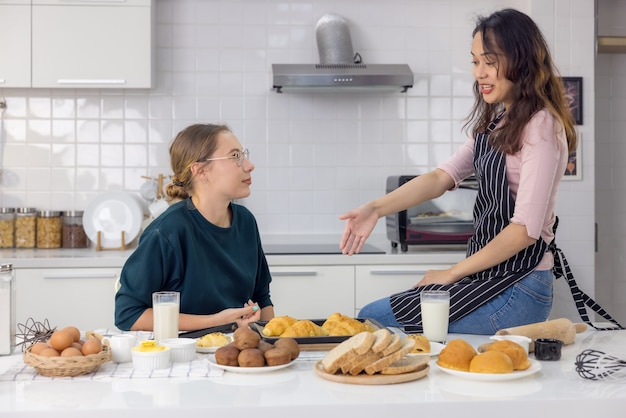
x=7, y=309
x=25, y=227
x=7, y=227
x=73, y=232
x=49, y=229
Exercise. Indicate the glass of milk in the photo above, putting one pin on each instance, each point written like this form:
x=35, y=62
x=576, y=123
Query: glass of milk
x=435, y=313
x=166, y=306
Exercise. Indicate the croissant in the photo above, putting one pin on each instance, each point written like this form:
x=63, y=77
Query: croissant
x=304, y=328
x=337, y=325
x=278, y=325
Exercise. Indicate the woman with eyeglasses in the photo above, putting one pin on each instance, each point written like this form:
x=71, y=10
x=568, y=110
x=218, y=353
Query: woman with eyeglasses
x=204, y=246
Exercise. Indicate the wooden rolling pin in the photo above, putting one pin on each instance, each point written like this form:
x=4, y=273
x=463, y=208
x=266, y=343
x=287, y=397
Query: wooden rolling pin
x=561, y=329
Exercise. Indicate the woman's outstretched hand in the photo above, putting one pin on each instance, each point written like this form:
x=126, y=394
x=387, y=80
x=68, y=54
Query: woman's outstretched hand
x=248, y=314
x=359, y=225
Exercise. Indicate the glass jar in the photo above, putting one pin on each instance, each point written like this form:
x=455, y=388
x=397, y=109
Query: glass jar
x=25, y=227
x=7, y=309
x=7, y=227
x=73, y=232
x=49, y=229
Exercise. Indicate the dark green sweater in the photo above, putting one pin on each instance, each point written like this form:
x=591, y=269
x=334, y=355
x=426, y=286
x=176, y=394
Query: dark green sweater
x=213, y=268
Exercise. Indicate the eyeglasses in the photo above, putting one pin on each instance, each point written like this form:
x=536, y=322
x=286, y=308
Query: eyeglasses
x=238, y=156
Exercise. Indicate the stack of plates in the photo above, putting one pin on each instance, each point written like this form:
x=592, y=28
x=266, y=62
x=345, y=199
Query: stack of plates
x=111, y=213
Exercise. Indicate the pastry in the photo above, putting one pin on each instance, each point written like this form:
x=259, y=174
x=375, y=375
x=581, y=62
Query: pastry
x=277, y=356
x=422, y=345
x=516, y=353
x=289, y=344
x=246, y=338
x=214, y=339
x=227, y=355
x=491, y=362
x=278, y=325
x=456, y=355
x=304, y=328
x=251, y=357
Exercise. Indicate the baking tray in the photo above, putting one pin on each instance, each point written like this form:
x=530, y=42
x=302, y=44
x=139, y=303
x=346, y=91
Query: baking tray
x=316, y=343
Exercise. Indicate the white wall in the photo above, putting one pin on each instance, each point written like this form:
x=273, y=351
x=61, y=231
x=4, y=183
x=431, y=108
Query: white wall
x=316, y=155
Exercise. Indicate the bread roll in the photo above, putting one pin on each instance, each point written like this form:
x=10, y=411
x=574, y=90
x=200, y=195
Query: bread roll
x=516, y=353
x=251, y=357
x=456, y=355
x=246, y=338
x=277, y=356
x=289, y=344
x=227, y=355
x=491, y=362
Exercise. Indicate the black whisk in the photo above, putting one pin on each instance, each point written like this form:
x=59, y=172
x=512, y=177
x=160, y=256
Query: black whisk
x=596, y=365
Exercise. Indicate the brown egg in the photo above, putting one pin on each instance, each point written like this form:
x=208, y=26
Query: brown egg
x=38, y=347
x=91, y=346
x=71, y=352
x=74, y=332
x=60, y=340
x=49, y=352
x=78, y=345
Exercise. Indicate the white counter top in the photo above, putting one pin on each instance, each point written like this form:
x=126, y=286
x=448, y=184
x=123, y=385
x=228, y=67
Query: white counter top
x=298, y=391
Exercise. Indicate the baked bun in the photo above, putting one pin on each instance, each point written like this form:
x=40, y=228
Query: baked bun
x=278, y=325
x=227, y=355
x=516, y=353
x=277, y=356
x=491, y=362
x=422, y=345
x=456, y=355
x=246, y=338
x=251, y=357
x=290, y=345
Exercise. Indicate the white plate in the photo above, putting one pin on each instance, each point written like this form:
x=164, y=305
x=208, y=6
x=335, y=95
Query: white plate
x=535, y=366
x=248, y=370
x=111, y=213
x=206, y=350
x=435, y=349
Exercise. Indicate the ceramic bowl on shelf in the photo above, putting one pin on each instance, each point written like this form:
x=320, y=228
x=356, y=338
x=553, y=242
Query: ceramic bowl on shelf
x=182, y=350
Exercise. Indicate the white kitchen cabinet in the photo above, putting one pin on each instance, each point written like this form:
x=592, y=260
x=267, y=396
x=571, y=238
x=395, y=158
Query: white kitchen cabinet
x=15, y=38
x=374, y=282
x=82, y=297
x=92, y=44
x=312, y=292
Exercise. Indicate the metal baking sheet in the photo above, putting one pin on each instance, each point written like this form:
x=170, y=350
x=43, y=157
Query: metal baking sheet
x=303, y=341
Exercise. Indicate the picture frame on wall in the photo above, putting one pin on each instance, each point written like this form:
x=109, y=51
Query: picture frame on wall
x=573, y=170
x=574, y=92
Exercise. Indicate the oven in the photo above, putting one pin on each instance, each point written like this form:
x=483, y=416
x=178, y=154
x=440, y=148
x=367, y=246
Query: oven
x=445, y=221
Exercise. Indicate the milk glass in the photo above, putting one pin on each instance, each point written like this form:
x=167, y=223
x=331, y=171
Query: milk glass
x=166, y=306
x=435, y=314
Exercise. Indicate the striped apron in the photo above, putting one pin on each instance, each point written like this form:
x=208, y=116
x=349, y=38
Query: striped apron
x=493, y=210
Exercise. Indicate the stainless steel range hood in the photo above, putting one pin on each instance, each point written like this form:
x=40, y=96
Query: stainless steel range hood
x=307, y=76
x=339, y=66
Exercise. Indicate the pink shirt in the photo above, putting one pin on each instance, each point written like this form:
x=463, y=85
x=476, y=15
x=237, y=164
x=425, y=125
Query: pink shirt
x=533, y=174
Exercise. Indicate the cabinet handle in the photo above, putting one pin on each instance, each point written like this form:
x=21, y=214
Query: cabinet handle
x=81, y=276
x=294, y=273
x=79, y=81
x=396, y=272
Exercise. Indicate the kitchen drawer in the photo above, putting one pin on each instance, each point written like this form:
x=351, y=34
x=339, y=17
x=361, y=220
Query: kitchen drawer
x=374, y=282
x=312, y=292
x=80, y=297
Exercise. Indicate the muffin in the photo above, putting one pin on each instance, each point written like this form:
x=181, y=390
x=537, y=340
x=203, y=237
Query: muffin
x=251, y=357
x=516, y=353
x=277, y=356
x=491, y=362
x=456, y=355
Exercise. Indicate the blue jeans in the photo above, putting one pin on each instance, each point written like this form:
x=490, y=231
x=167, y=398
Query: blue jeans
x=527, y=301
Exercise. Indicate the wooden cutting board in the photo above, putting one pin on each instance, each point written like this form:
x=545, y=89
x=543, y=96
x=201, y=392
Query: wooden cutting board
x=374, y=379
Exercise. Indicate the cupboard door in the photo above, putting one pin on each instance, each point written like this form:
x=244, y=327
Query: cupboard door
x=374, y=282
x=15, y=37
x=84, y=298
x=312, y=292
x=88, y=44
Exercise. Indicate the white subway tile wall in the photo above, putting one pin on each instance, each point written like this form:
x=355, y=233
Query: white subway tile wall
x=316, y=155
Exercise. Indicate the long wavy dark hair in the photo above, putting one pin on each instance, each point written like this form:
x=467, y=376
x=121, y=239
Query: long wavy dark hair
x=517, y=45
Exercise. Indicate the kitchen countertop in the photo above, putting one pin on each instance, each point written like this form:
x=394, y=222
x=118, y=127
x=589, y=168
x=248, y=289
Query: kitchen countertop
x=89, y=257
x=297, y=390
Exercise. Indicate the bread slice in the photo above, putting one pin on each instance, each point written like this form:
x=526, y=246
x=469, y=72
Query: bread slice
x=406, y=365
x=383, y=338
x=363, y=361
x=394, y=345
x=353, y=346
x=378, y=365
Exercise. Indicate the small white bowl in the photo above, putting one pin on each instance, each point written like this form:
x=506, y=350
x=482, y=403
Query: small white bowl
x=520, y=339
x=182, y=350
x=151, y=360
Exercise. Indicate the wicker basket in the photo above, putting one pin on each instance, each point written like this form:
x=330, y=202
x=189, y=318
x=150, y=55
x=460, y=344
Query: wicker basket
x=67, y=366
